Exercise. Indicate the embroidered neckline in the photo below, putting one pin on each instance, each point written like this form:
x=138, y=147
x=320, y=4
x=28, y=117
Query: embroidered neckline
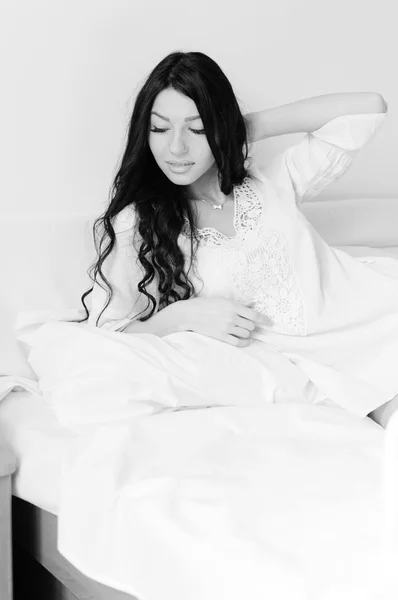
x=247, y=212
x=234, y=222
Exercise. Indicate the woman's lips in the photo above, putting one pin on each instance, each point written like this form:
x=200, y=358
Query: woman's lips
x=179, y=168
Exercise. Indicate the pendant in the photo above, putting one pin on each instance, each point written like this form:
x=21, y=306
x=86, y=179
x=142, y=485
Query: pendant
x=215, y=206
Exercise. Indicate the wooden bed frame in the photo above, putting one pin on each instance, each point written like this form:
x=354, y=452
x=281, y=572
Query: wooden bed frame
x=38, y=565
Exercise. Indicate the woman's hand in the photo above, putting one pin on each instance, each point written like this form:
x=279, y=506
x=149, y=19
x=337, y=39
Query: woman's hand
x=219, y=318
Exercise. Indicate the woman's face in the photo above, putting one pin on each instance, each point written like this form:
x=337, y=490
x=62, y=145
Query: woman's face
x=179, y=137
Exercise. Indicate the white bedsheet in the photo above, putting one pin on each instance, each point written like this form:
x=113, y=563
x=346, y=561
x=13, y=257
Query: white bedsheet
x=319, y=463
x=30, y=428
x=250, y=499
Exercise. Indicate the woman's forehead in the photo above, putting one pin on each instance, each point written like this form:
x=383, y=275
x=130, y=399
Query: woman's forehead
x=174, y=106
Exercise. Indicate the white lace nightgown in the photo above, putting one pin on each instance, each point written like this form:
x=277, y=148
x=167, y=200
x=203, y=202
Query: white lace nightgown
x=333, y=318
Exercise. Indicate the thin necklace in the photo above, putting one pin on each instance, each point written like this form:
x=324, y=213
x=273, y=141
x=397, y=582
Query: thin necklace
x=215, y=206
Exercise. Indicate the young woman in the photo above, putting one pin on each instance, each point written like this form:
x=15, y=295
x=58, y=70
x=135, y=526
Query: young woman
x=199, y=237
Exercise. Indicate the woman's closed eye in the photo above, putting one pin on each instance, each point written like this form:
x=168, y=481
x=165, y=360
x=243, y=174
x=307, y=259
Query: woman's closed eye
x=158, y=130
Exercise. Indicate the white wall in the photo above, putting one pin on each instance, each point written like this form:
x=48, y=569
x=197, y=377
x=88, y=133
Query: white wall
x=71, y=70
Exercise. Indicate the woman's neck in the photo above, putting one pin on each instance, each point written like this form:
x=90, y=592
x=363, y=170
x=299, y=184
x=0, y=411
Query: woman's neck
x=207, y=188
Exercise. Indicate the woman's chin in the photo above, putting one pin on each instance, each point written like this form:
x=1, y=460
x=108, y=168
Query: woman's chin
x=181, y=178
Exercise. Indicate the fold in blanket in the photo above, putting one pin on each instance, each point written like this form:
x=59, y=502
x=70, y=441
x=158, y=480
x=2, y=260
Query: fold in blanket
x=90, y=375
x=262, y=495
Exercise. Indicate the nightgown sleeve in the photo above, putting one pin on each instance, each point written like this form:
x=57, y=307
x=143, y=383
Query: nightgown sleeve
x=123, y=270
x=323, y=155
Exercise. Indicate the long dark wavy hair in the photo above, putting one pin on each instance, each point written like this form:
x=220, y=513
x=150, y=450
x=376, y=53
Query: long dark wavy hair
x=160, y=205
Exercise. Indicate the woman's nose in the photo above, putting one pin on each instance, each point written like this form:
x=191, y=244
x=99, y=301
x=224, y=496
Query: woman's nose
x=178, y=145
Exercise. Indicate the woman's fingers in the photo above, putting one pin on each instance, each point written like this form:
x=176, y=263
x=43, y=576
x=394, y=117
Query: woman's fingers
x=240, y=332
x=237, y=341
x=243, y=323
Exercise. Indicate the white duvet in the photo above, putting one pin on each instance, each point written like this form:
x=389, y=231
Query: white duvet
x=208, y=483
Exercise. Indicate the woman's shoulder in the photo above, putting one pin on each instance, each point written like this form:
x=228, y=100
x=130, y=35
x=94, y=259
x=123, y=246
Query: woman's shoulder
x=125, y=220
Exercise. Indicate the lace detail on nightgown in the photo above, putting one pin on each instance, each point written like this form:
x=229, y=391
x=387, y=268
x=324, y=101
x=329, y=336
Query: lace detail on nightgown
x=248, y=210
x=259, y=263
x=266, y=279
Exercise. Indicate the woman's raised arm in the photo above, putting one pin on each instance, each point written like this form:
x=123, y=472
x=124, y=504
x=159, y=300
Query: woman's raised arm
x=305, y=116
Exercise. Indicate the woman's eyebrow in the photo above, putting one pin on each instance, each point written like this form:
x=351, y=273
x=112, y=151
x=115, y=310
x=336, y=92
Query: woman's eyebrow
x=166, y=119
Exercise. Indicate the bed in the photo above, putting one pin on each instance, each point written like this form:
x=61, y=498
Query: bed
x=52, y=274
x=39, y=442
